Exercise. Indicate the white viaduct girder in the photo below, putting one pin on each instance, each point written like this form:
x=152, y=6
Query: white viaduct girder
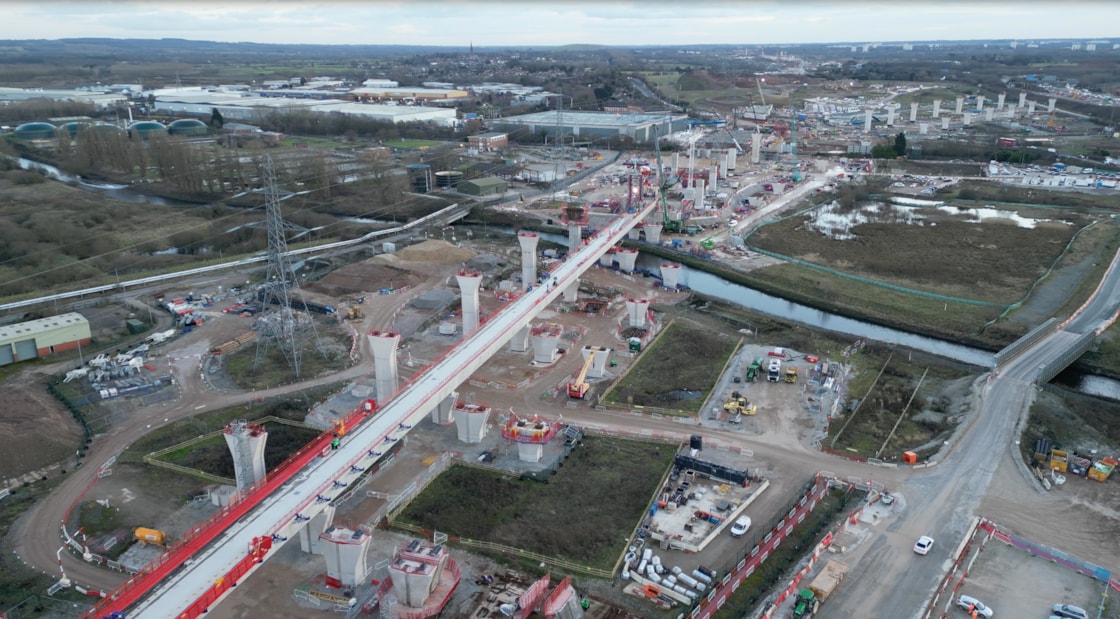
x=284, y=512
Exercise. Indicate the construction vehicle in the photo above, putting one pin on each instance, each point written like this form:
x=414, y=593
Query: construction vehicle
x=774, y=371
x=150, y=536
x=737, y=406
x=577, y=388
x=754, y=369
x=806, y=605
x=354, y=312
x=665, y=183
x=791, y=374
x=829, y=578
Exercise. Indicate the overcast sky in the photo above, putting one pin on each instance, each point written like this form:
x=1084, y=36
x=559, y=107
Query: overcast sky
x=558, y=22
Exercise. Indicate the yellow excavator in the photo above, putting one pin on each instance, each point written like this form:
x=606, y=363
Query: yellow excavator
x=577, y=388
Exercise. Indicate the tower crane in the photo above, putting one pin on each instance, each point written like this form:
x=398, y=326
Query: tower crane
x=664, y=183
x=793, y=149
x=578, y=388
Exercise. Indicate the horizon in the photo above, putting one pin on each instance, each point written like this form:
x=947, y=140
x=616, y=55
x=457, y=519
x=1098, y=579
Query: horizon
x=456, y=24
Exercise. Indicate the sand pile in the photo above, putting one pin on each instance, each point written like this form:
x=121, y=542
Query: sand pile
x=435, y=251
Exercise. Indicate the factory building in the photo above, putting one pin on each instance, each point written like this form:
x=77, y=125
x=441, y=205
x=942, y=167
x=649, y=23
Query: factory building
x=640, y=127
x=42, y=337
x=100, y=100
x=488, y=141
x=486, y=186
x=234, y=107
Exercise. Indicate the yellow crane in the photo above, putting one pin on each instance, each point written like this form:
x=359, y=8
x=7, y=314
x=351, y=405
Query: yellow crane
x=577, y=388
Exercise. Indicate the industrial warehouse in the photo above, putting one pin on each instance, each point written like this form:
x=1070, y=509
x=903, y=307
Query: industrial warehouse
x=42, y=337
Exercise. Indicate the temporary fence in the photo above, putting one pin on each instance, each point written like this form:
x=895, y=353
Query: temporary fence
x=722, y=590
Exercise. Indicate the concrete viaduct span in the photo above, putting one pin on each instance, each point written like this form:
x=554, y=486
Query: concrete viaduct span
x=230, y=549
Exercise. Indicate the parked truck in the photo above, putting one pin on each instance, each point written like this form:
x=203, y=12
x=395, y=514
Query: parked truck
x=774, y=371
x=791, y=374
x=829, y=578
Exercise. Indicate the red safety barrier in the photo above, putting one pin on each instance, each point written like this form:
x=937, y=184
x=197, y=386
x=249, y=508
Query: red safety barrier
x=144, y=581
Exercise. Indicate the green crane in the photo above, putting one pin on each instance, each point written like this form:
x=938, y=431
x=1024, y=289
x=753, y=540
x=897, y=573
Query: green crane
x=665, y=183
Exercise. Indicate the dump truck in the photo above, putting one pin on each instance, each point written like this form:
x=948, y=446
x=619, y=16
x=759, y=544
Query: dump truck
x=791, y=374
x=806, y=605
x=829, y=578
x=754, y=369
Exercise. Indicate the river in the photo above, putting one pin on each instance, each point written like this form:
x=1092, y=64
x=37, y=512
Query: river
x=123, y=193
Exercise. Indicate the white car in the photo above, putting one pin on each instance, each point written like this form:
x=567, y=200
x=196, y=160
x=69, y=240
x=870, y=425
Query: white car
x=740, y=526
x=970, y=603
x=923, y=545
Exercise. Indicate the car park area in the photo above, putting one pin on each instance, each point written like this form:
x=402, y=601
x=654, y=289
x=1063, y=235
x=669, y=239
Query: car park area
x=1015, y=584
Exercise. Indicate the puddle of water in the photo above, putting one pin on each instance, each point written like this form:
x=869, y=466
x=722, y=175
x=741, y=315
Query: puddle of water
x=829, y=221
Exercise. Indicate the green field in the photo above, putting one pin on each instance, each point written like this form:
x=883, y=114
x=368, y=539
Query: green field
x=682, y=362
x=585, y=513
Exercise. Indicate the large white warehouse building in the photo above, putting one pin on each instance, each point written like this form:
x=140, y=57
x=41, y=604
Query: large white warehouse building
x=234, y=107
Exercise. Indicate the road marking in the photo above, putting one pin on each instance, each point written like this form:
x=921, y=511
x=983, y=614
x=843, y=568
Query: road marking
x=200, y=406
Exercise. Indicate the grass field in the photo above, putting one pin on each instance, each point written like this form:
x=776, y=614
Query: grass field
x=901, y=407
x=586, y=513
x=293, y=407
x=413, y=144
x=682, y=359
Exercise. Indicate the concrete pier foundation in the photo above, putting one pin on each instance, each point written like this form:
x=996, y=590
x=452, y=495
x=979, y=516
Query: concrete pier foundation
x=937, y=108
x=627, y=258
x=914, y=111
x=471, y=422
x=415, y=572
x=544, y=339
x=345, y=553
x=966, y=120
x=670, y=273
x=384, y=345
x=653, y=232
x=960, y=105
x=989, y=114
x=469, y=284
x=867, y=121
x=530, y=452
x=442, y=414
x=637, y=311
x=1030, y=108
x=598, y=367
x=520, y=340
x=890, y=116
x=1000, y=101
x=1022, y=99
x=756, y=148
x=944, y=123
x=571, y=293
x=980, y=102
x=309, y=534
x=1050, y=103
x=528, y=242
x=246, y=441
